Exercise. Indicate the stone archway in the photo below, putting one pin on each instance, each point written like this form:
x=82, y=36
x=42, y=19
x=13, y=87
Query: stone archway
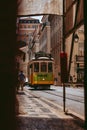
x=8, y=13
x=30, y=7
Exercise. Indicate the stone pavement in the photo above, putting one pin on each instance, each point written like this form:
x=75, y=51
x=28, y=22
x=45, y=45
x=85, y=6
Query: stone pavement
x=33, y=114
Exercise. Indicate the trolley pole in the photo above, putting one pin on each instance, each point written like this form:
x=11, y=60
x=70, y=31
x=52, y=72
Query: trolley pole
x=64, y=90
x=85, y=61
x=64, y=76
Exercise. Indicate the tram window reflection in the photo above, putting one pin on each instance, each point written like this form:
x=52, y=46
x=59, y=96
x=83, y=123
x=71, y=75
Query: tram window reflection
x=49, y=67
x=43, y=67
x=31, y=68
x=36, y=67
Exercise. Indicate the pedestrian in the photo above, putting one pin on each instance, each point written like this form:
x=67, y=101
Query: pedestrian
x=71, y=80
x=21, y=78
x=55, y=81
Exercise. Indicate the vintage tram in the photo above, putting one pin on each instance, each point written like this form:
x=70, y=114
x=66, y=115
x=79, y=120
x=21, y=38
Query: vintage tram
x=41, y=71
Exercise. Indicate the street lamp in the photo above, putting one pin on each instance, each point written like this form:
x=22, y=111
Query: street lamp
x=76, y=38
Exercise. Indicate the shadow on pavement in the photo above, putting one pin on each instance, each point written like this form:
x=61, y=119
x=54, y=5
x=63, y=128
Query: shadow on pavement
x=33, y=123
x=21, y=93
x=24, y=122
x=30, y=122
x=32, y=89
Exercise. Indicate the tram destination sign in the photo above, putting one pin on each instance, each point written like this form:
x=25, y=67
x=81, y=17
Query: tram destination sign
x=39, y=7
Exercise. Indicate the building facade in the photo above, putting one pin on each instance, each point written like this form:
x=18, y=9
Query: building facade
x=25, y=30
x=44, y=37
x=56, y=44
x=77, y=62
x=74, y=28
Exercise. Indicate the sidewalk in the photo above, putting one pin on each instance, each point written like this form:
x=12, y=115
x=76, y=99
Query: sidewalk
x=32, y=114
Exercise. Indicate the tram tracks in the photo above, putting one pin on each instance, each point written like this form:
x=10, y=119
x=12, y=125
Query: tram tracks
x=50, y=104
x=57, y=103
x=79, y=99
x=71, y=97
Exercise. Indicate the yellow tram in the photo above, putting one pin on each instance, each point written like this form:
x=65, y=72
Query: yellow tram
x=41, y=71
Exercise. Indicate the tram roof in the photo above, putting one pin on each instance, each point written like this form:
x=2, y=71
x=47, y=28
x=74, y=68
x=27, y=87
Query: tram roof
x=42, y=58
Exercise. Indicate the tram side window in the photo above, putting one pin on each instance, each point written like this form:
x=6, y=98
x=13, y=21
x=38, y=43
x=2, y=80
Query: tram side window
x=50, y=69
x=31, y=66
x=36, y=67
x=31, y=69
x=43, y=67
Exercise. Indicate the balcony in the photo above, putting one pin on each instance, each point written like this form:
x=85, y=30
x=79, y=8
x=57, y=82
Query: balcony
x=79, y=58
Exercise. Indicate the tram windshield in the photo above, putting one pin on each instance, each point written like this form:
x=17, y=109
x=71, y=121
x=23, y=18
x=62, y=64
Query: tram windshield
x=36, y=67
x=50, y=68
x=43, y=67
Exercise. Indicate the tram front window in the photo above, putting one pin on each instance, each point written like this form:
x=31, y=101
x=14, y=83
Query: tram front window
x=36, y=67
x=50, y=67
x=43, y=67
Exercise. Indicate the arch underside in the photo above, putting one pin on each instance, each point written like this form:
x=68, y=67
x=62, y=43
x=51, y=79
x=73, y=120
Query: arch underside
x=39, y=7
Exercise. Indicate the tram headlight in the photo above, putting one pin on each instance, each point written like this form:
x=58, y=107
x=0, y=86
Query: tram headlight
x=43, y=79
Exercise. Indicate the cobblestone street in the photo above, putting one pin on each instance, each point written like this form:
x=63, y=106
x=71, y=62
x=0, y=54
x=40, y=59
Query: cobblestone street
x=34, y=114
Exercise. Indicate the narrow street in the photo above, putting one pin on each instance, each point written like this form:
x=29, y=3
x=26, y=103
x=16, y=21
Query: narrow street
x=74, y=98
x=36, y=112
